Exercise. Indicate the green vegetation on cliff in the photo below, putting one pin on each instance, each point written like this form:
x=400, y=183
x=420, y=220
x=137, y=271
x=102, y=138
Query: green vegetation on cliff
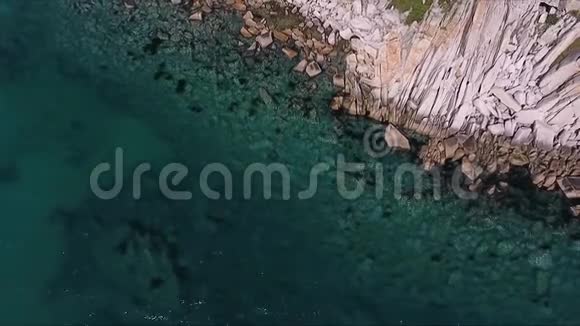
x=416, y=8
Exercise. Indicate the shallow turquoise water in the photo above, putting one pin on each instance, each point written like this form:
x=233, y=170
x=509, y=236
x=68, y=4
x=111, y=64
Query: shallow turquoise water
x=77, y=85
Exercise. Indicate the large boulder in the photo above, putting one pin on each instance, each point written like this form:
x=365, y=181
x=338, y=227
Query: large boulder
x=395, y=139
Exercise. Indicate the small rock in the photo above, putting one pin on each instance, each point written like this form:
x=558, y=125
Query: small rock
x=266, y=97
x=539, y=178
x=470, y=169
x=332, y=38
x=346, y=34
x=301, y=66
x=550, y=180
x=249, y=21
x=518, y=159
x=395, y=139
x=541, y=260
x=196, y=16
x=361, y=23
x=253, y=30
x=289, y=53
x=280, y=36
x=338, y=80
x=206, y=9
x=239, y=6
x=313, y=69
x=265, y=40
x=459, y=153
x=248, y=15
x=470, y=145
x=455, y=278
x=245, y=33
x=336, y=103
x=450, y=147
x=505, y=248
x=176, y=2
x=475, y=186
x=129, y=4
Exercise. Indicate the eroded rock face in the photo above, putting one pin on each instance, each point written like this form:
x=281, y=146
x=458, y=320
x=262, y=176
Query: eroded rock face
x=481, y=65
x=507, y=69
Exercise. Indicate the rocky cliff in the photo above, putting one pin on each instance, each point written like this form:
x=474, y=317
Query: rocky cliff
x=494, y=83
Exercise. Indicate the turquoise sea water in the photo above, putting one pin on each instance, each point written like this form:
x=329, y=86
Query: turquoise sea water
x=79, y=79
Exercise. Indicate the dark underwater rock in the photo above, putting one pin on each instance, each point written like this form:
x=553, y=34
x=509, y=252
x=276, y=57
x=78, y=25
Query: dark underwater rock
x=9, y=173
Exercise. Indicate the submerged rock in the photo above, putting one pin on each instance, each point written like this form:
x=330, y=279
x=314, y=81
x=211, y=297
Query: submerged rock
x=9, y=173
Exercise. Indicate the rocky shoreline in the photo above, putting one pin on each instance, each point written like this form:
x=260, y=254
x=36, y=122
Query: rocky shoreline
x=359, y=64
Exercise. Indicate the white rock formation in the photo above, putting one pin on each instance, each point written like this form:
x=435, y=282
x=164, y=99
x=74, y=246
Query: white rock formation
x=483, y=65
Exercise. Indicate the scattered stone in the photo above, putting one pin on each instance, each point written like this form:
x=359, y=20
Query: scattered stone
x=301, y=66
x=291, y=54
x=253, y=30
x=336, y=103
x=541, y=260
x=575, y=211
x=470, y=169
x=239, y=6
x=475, y=186
x=570, y=186
x=518, y=158
x=459, y=153
x=280, y=36
x=130, y=4
x=205, y=8
x=196, y=16
x=539, y=179
x=505, y=247
x=550, y=180
x=470, y=145
x=248, y=16
x=313, y=69
x=338, y=80
x=266, y=97
x=245, y=33
x=395, y=139
x=450, y=147
x=265, y=40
